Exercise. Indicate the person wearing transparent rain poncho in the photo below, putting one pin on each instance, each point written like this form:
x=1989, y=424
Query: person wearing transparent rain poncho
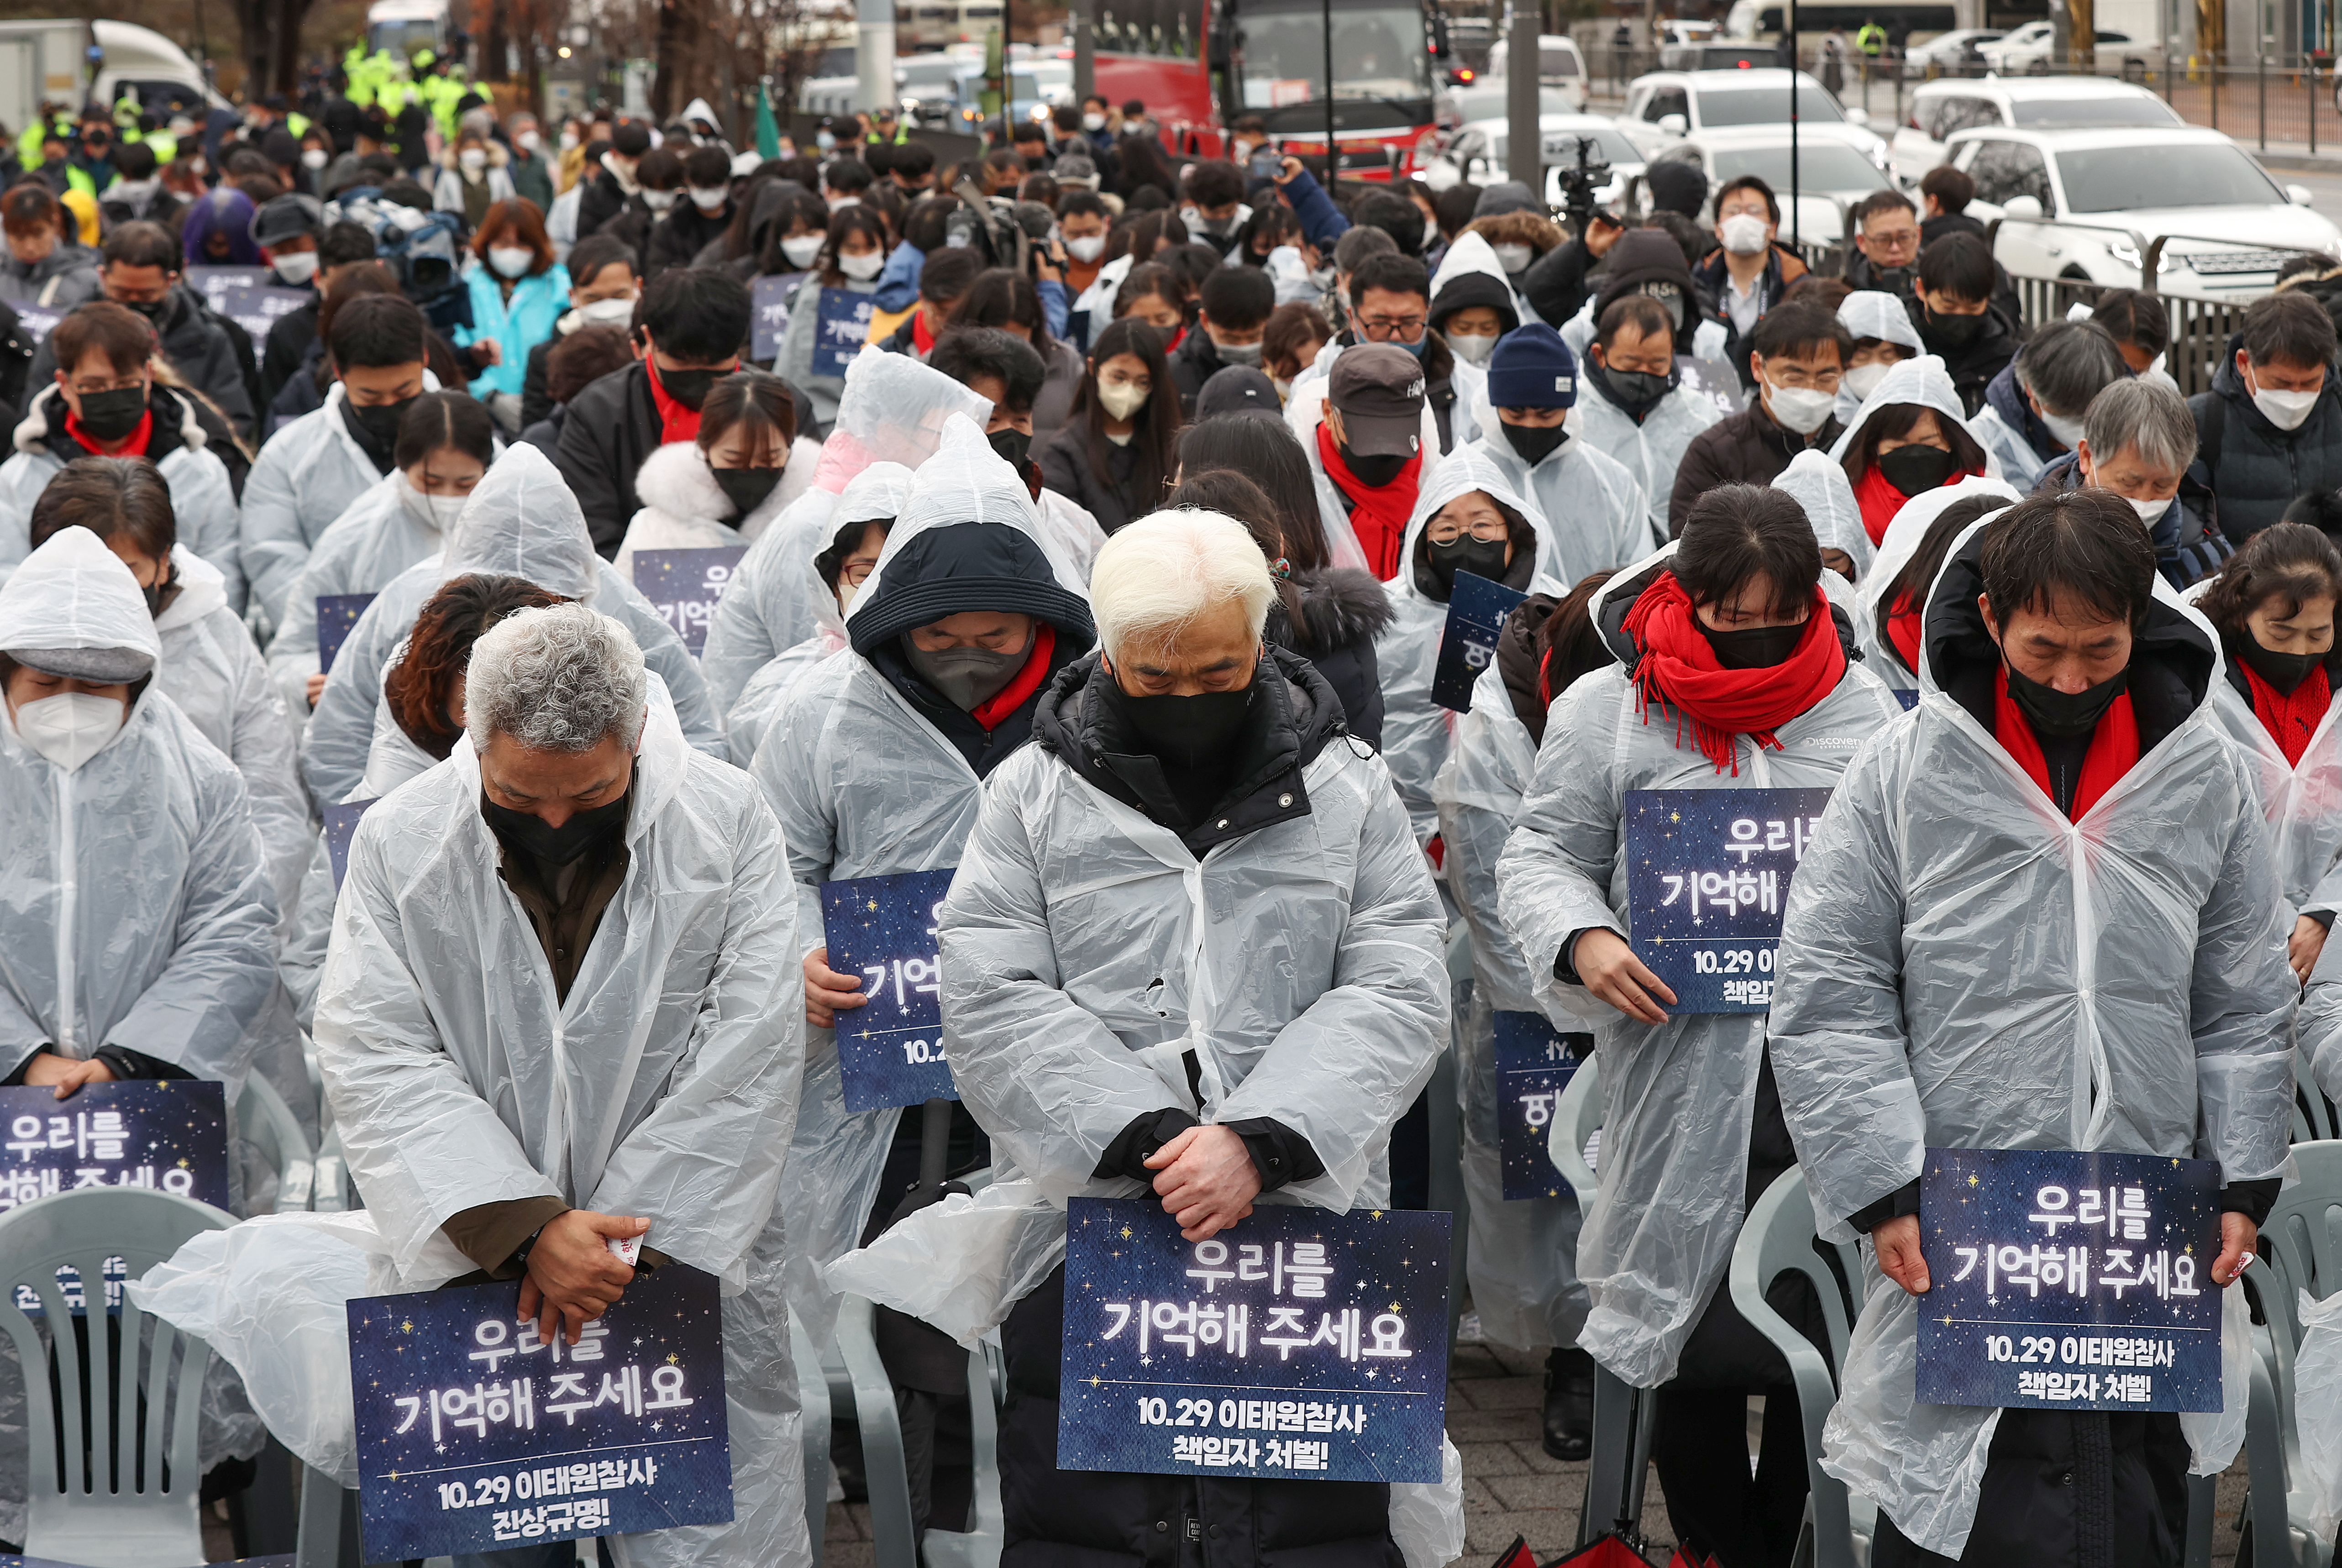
x=875, y=764
x=1193, y=899
x=893, y=410
x=139, y=925
x=522, y=520
x=2063, y=818
x=1734, y=674
x=561, y=1004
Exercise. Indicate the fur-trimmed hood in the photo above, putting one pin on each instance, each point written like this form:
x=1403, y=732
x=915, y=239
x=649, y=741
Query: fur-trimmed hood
x=1539, y=234
x=677, y=480
x=1343, y=605
x=497, y=158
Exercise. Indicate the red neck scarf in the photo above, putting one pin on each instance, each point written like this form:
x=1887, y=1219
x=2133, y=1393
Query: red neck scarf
x=993, y=711
x=1903, y=631
x=1679, y=669
x=1378, y=515
x=921, y=338
x=2114, y=747
x=1879, y=500
x=131, y=445
x=677, y=422
x=2290, y=718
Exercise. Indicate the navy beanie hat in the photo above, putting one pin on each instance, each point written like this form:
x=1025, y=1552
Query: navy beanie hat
x=1533, y=368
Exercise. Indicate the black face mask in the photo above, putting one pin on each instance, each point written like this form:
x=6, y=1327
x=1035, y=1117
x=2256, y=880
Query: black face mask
x=377, y=423
x=1953, y=331
x=111, y=416
x=161, y=590
x=1535, y=443
x=1186, y=732
x=1013, y=446
x=1374, y=472
x=1481, y=557
x=689, y=387
x=556, y=846
x=1914, y=469
x=746, y=488
x=152, y=309
x=1636, y=391
x=2282, y=671
x=1753, y=647
x=2051, y=711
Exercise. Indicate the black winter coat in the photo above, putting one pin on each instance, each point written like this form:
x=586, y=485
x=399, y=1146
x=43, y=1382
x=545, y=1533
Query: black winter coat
x=600, y=203
x=289, y=337
x=2257, y=470
x=1743, y=448
x=680, y=236
x=1112, y=498
x=1973, y=364
x=1343, y=611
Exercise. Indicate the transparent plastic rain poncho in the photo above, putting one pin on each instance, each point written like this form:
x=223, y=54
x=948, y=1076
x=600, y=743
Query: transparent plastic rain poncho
x=1304, y=407
x=874, y=494
x=203, y=502
x=1921, y=381
x=2317, y=1415
x=1905, y=534
x=1821, y=488
x=664, y=1085
x=307, y=476
x=1678, y=1098
x=161, y=937
x=1523, y=1258
x=1470, y=253
x=385, y=530
x=1708, y=339
x=2301, y=805
x=1873, y=313
x=893, y=410
x=1651, y=451
x=1415, y=728
x=864, y=786
x=1600, y=517
x=1962, y=966
x=521, y=522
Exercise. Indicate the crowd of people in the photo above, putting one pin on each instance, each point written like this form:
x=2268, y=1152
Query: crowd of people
x=1108, y=563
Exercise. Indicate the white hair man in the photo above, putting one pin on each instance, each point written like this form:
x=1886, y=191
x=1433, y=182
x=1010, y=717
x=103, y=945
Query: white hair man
x=562, y=1005
x=1099, y=1038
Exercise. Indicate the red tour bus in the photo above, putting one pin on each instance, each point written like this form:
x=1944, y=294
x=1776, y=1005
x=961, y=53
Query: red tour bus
x=1200, y=65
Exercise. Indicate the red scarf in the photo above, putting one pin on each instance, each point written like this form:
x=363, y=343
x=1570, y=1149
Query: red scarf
x=921, y=338
x=993, y=711
x=2290, y=718
x=676, y=422
x=132, y=445
x=1378, y=515
x=1903, y=631
x=1679, y=669
x=2114, y=747
x=1879, y=500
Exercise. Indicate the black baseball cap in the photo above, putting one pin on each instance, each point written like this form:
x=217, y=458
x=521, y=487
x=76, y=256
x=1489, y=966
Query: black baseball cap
x=1379, y=391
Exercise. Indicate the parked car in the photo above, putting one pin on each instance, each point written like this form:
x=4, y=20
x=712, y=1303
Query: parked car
x=1832, y=175
x=1956, y=50
x=2083, y=204
x=1941, y=108
x=1476, y=151
x=1561, y=70
x=2035, y=53
x=1715, y=55
x=1666, y=105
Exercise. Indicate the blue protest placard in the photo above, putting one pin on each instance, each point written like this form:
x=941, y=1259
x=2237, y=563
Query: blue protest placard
x=37, y=321
x=2066, y=1280
x=475, y=1434
x=684, y=585
x=890, y=1050
x=256, y=309
x=1476, y=609
x=1295, y=1345
x=337, y=615
x=341, y=822
x=1534, y=1062
x=1707, y=872
x=169, y=1134
x=768, y=298
x=840, y=329
x=279, y=1560
x=1908, y=699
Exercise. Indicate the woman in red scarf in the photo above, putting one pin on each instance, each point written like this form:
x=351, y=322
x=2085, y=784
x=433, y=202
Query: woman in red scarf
x=1732, y=676
x=1903, y=450
x=1896, y=619
x=2273, y=605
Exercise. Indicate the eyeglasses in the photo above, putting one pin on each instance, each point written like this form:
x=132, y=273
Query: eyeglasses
x=1447, y=530
x=854, y=573
x=1385, y=329
x=84, y=389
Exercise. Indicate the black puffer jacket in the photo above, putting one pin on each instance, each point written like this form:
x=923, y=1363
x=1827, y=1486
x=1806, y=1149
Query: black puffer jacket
x=2251, y=470
x=1112, y=498
x=1743, y=448
x=2186, y=549
x=1975, y=362
x=1343, y=611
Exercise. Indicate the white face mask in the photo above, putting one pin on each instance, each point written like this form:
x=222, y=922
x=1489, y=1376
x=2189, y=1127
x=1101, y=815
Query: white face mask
x=313, y=158
x=801, y=250
x=2285, y=410
x=658, y=201
x=1470, y=347
x=1863, y=379
x=1093, y=122
x=2068, y=432
x=609, y=312
x=1088, y=248
x=864, y=268
x=1514, y=259
x=511, y=261
x=709, y=201
x=438, y=512
x=529, y=141
x=298, y=267
x=1121, y=399
x=1798, y=408
x=473, y=159
x=70, y=729
x=1743, y=233
x=2150, y=511
x=568, y=140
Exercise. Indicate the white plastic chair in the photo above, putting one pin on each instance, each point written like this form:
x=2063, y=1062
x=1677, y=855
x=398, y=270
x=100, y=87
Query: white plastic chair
x=268, y=1125
x=886, y=1473
x=2313, y=1112
x=2303, y=1240
x=128, y=1494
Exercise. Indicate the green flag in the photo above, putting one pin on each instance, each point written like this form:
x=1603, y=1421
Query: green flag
x=768, y=133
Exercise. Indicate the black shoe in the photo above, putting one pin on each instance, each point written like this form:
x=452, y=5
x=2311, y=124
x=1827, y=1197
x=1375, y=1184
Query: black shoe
x=1569, y=1404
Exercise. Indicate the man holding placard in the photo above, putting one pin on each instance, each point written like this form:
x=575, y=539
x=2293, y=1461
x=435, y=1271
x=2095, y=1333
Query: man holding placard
x=560, y=1010
x=1703, y=756
x=2033, y=1034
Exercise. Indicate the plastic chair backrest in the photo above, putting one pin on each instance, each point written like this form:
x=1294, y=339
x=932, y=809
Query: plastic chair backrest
x=2303, y=1238
x=2313, y=1113
x=1576, y=1117
x=268, y=1125
x=128, y=1494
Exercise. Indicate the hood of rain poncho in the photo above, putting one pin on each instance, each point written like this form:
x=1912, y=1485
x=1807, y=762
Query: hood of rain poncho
x=1923, y=381
x=876, y=495
x=1903, y=537
x=1822, y=488
x=965, y=484
x=73, y=593
x=1873, y=313
x=893, y=410
x=1463, y=470
x=522, y=520
x=1472, y=256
